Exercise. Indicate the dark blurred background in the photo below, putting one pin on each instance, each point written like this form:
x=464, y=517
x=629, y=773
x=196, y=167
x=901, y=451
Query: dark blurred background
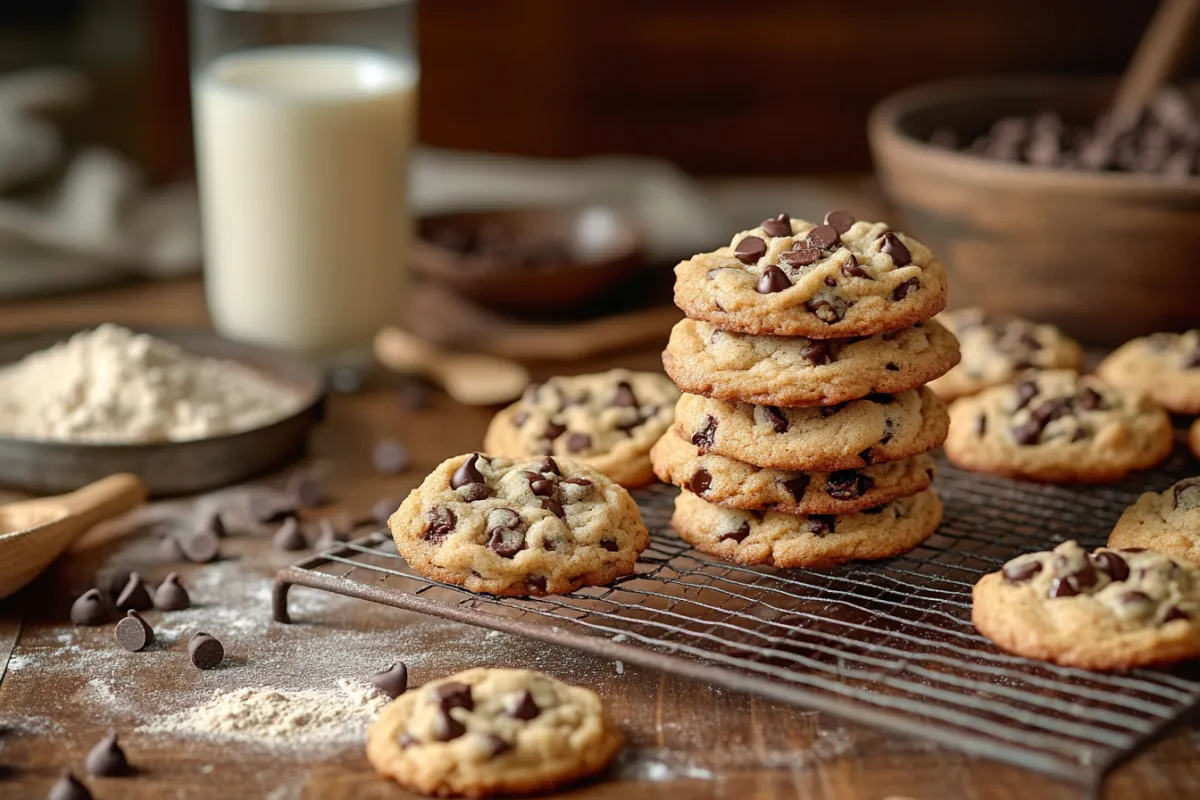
x=771, y=87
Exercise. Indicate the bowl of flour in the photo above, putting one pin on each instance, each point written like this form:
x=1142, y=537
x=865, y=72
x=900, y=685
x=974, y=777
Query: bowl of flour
x=185, y=410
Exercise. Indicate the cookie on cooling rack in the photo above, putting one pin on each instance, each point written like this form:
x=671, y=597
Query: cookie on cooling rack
x=528, y=527
x=487, y=732
x=1108, y=610
x=1165, y=366
x=609, y=420
x=1166, y=522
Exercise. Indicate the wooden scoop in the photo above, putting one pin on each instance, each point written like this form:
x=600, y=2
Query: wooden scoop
x=470, y=378
x=1158, y=53
x=35, y=532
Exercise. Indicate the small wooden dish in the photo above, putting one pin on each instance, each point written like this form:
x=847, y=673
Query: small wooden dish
x=1106, y=256
x=168, y=468
x=598, y=246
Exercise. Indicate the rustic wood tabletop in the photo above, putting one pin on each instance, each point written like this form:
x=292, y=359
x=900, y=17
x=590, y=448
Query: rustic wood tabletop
x=64, y=687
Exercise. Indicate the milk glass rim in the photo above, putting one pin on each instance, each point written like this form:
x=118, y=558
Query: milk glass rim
x=300, y=6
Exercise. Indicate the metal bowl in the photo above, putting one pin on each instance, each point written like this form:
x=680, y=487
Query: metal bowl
x=168, y=468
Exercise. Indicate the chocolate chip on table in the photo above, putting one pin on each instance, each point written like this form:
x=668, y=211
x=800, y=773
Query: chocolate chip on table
x=700, y=481
x=1112, y=565
x=69, y=787
x=134, y=595
x=892, y=246
x=467, y=473
x=554, y=507
x=383, y=509
x=577, y=442
x=623, y=396
x=906, y=288
x=522, y=706
x=839, y=220
x=268, y=506
x=801, y=255
x=306, y=490
x=772, y=280
x=328, y=535
x=106, y=759
x=780, y=225
x=205, y=651
x=851, y=269
x=738, y=536
x=389, y=457
x=89, y=609
x=133, y=633
x=848, y=484
x=497, y=746
x=817, y=353
x=200, y=547
x=822, y=237
x=170, y=551
x=170, y=594
x=289, y=537
x=1021, y=572
x=111, y=580
x=216, y=524
x=796, y=486
x=750, y=249
x=392, y=681
x=439, y=523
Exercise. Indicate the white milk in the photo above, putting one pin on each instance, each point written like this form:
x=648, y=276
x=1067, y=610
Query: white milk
x=301, y=154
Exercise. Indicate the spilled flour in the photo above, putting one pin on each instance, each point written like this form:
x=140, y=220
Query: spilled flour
x=264, y=716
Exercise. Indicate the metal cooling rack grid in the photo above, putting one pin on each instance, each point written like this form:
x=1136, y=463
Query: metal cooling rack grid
x=888, y=643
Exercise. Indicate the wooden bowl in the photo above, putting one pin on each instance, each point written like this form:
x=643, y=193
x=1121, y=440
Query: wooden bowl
x=1106, y=256
x=590, y=248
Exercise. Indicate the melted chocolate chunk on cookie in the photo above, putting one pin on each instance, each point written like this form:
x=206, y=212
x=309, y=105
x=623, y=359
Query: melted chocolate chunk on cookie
x=522, y=706
x=905, y=289
x=776, y=417
x=578, y=442
x=851, y=269
x=454, y=695
x=1026, y=391
x=1187, y=494
x=829, y=411
x=889, y=430
x=773, y=280
x=895, y=248
x=848, y=484
x=1174, y=613
x=818, y=353
x=738, y=536
x=891, y=367
x=468, y=481
x=623, y=396
x=1021, y=572
x=705, y=435
x=553, y=431
x=1089, y=400
x=829, y=310
x=700, y=481
x=506, y=532
x=1111, y=565
x=821, y=524
x=750, y=249
x=554, y=507
x=867, y=457
x=474, y=492
x=446, y=728
x=536, y=583
x=439, y=523
x=839, y=220
x=823, y=237
x=881, y=399
x=541, y=485
x=796, y=486
x=496, y=745
x=780, y=225
x=1062, y=587
x=801, y=255
x=1028, y=432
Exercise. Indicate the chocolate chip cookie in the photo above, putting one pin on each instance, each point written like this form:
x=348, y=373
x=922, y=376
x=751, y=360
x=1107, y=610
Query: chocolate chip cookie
x=996, y=349
x=789, y=277
x=727, y=482
x=877, y=428
x=795, y=371
x=1166, y=522
x=1108, y=610
x=1166, y=366
x=1058, y=426
x=487, y=732
x=530, y=527
x=609, y=420
x=815, y=540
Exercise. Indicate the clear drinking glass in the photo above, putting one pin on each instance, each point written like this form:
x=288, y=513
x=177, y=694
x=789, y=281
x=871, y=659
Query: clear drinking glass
x=305, y=112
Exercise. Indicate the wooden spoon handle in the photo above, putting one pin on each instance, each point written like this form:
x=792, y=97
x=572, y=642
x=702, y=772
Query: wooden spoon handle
x=473, y=379
x=1157, y=54
x=104, y=499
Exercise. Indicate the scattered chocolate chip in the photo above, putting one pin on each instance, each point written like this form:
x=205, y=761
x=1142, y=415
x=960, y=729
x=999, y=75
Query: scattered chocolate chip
x=609, y=544
x=821, y=524
x=133, y=633
x=823, y=237
x=1062, y=587
x=107, y=759
x=750, y=249
x=111, y=580
x=267, y=506
x=554, y=507
x=780, y=225
x=705, y=435
x=1174, y=613
x=536, y=583
x=700, y=481
x=905, y=289
x=201, y=547
x=446, y=728
x=134, y=595
x=306, y=490
x=454, y=695
x=796, y=486
x=205, y=651
x=383, y=509
x=467, y=473
x=169, y=550
x=390, y=457
x=738, y=536
x=522, y=706
x=89, y=609
x=496, y=745
x=848, y=484
x=392, y=681
x=214, y=523
x=1112, y=564
x=840, y=221
x=69, y=787
x=777, y=418
x=1021, y=572
x=553, y=431
x=577, y=442
x=289, y=536
x=772, y=280
x=895, y=248
x=170, y=594
x=801, y=255
x=623, y=396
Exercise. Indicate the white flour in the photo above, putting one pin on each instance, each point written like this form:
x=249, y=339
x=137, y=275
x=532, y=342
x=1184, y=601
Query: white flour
x=113, y=385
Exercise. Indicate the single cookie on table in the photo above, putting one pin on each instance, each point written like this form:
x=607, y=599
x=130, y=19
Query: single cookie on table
x=795, y=371
x=1058, y=426
x=877, y=428
x=1166, y=366
x=1109, y=610
x=609, y=420
x=530, y=527
x=815, y=540
x=727, y=482
x=996, y=349
x=1166, y=522
x=487, y=732
x=789, y=277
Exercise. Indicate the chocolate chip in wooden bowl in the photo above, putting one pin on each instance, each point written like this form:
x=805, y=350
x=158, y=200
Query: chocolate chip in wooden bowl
x=90, y=609
x=170, y=594
x=738, y=535
x=522, y=706
x=892, y=246
x=1021, y=572
x=840, y=221
x=135, y=595
x=392, y=681
x=750, y=249
x=133, y=633
x=205, y=652
x=201, y=547
x=780, y=225
x=289, y=538
x=306, y=490
x=68, y=787
x=822, y=237
x=772, y=280
x=390, y=457
x=439, y=523
x=106, y=759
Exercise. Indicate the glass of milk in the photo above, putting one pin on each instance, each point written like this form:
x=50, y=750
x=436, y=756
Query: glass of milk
x=305, y=112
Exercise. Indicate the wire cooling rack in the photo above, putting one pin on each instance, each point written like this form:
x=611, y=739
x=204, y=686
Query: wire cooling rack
x=887, y=643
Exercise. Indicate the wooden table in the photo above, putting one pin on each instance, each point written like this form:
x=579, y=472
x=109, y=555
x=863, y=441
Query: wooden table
x=687, y=739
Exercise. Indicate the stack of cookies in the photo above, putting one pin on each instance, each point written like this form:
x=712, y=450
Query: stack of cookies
x=802, y=436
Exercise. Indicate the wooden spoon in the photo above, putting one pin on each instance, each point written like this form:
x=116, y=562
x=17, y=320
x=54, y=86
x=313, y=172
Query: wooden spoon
x=1158, y=53
x=35, y=532
x=470, y=378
